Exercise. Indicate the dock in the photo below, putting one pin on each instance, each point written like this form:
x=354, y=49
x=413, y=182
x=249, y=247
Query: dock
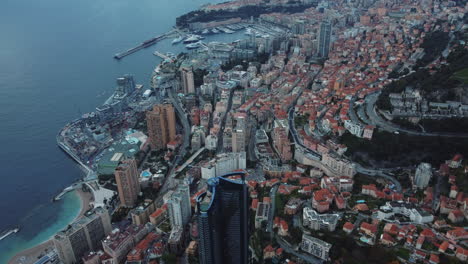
x=144, y=44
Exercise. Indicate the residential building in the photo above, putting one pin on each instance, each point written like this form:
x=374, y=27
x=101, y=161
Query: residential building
x=82, y=236
x=315, y=246
x=224, y=163
x=179, y=207
x=126, y=177
x=161, y=125
x=316, y=221
x=119, y=242
x=338, y=165
x=188, y=82
x=140, y=215
x=223, y=216
x=423, y=175
x=262, y=213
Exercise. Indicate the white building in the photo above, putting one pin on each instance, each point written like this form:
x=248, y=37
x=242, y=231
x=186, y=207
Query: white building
x=353, y=128
x=315, y=246
x=316, y=221
x=211, y=142
x=414, y=213
x=423, y=175
x=224, y=163
x=179, y=206
x=339, y=165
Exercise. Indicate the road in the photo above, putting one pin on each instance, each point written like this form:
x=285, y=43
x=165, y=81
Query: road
x=271, y=214
x=219, y=147
x=379, y=173
x=182, y=116
x=169, y=181
x=352, y=112
x=376, y=120
x=292, y=126
x=251, y=146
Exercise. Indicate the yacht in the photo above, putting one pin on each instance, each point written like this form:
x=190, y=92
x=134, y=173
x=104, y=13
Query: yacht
x=9, y=232
x=195, y=45
x=192, y=38
x=177, y=40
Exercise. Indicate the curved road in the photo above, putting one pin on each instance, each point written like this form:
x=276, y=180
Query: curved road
x=376, y=120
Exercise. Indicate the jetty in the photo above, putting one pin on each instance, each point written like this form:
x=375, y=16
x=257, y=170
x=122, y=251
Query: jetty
x=162, y=56
x=144, y=44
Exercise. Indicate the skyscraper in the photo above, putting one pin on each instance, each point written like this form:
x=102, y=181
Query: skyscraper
x=188, y=83
x=126, y=176
x=179, y=207
x=84, y=235
x=161, y=125
x=223, y=221
x=324, y=39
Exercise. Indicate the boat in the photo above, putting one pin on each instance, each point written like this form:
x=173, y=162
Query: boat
x=226, y=30
x=12, y=231
x=215, y=31
x=248, y=32
x=195, y=45
x=206, y=32
x=192, y=38
x=177, y=40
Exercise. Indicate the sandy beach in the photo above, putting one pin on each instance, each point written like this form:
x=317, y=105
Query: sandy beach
x=29, y=256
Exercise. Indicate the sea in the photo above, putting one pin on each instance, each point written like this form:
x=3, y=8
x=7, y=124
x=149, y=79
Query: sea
x=56, y=63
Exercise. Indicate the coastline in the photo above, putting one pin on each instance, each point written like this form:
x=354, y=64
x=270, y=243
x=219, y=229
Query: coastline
x=30, y=255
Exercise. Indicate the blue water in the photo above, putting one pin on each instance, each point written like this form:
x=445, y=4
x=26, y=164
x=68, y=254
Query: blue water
x=55, y=64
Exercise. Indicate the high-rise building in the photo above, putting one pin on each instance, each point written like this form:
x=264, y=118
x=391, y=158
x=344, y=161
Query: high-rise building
x=125, y=84
x=179, y=207
x=126, y=176
x=238, y=140
x=82, y=236
x=223, y=216
x=423, y=175
x=188, y=83
x=161, y=125
x=324, y=39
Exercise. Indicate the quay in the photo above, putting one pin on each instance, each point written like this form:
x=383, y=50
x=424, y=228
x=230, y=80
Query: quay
x=144, y=44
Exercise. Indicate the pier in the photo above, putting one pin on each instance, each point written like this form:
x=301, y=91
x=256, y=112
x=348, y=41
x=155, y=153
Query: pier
x=162, y=56
x=144, y=44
